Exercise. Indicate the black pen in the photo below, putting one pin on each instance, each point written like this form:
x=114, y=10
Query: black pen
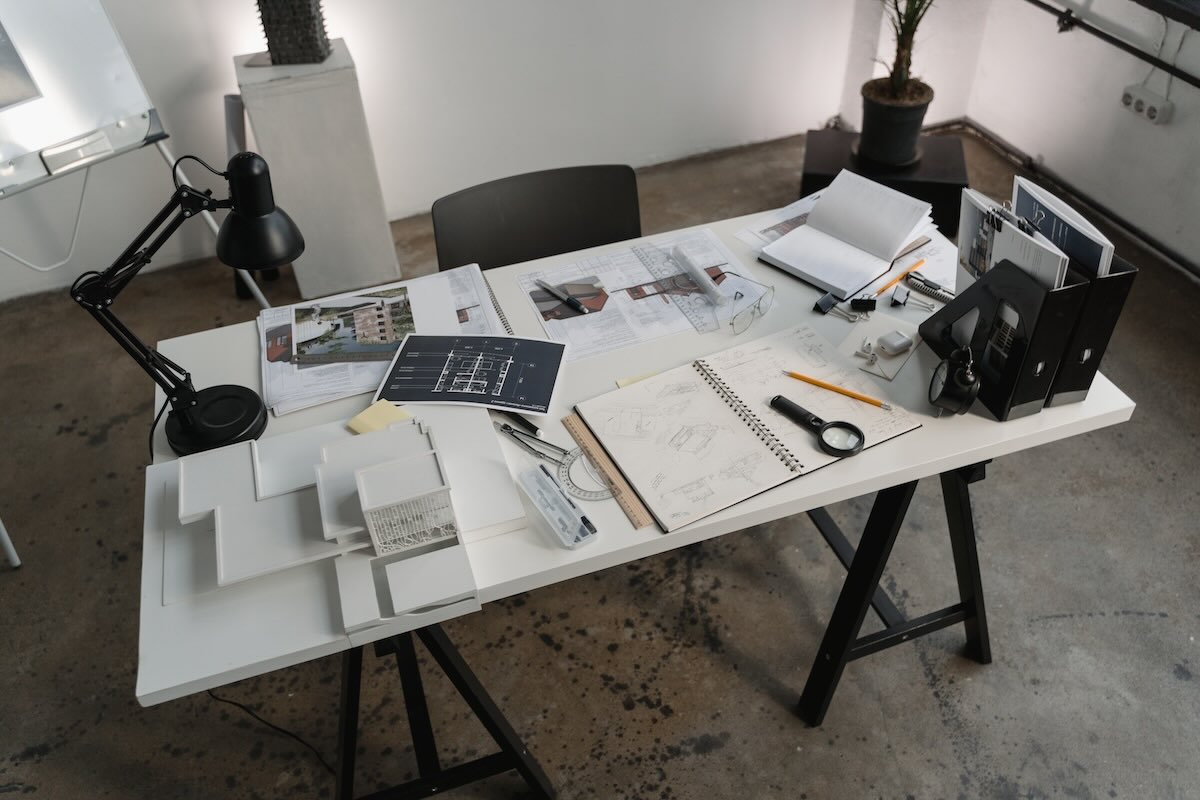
x=563, y=296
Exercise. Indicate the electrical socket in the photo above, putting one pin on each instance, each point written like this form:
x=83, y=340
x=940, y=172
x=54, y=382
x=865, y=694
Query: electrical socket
x=1147, y=104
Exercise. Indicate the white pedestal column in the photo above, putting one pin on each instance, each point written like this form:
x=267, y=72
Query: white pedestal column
x=309, y=125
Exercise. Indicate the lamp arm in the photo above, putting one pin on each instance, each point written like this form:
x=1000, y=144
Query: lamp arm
x=187, y=202
x=95, y=292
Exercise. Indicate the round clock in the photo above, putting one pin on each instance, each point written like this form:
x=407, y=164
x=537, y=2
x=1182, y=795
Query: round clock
x=955, y=385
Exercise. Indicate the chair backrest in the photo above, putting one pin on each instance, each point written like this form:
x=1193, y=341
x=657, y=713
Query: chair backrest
x=537, y=214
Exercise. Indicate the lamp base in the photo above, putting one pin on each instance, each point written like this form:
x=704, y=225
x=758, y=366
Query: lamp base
x=223, y=415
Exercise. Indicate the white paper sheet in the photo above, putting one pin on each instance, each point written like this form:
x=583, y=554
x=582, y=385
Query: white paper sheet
x=629, y=299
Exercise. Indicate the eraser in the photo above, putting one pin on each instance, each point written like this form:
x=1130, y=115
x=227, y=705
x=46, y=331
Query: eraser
x=377, y=416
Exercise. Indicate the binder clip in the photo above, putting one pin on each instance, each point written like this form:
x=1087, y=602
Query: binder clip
x=901, y=296
x=828, y=304
x=864, y=305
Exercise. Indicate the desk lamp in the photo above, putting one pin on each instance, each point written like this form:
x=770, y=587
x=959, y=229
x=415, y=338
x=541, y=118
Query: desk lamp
x=255, y=235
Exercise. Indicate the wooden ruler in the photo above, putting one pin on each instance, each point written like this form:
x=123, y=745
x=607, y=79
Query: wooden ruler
x=627, y=499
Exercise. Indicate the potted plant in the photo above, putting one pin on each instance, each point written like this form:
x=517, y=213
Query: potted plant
x=894, y=106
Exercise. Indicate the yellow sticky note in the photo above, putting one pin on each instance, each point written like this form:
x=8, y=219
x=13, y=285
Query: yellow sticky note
x=378, y=416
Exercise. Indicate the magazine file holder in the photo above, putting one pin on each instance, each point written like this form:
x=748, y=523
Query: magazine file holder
x=1017, y=330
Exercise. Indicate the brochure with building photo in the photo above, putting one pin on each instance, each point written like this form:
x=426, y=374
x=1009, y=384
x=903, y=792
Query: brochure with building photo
x=365, y=327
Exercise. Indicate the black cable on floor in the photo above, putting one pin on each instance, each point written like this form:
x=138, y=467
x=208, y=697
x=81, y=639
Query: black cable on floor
x=274, y=727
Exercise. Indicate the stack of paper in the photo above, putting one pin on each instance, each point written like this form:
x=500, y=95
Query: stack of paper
x=853, y=234
x=321, y=350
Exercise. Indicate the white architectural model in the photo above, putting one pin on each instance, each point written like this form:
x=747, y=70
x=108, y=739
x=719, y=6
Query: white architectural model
x=293, y=499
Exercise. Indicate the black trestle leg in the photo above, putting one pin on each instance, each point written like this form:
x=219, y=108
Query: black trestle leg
x=957, y=498
x=870, y=558
x=348, y=722
x=464, y=680
x=424, y=744
x=433, y=778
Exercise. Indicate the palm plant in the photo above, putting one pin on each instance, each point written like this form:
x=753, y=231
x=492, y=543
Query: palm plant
x=904, y=17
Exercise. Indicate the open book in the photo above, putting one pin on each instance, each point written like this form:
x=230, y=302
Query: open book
x=699, y=438
x=853, y=234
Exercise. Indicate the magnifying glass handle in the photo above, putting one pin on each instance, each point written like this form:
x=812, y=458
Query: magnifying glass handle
x=796, y=414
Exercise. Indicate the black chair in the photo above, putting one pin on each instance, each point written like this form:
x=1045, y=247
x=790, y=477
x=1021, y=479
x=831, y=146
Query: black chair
x=537, y=214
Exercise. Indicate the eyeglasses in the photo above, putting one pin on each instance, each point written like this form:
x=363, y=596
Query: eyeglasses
x=742, y=318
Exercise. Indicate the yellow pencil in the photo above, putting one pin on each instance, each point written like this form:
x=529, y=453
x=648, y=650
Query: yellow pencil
x=838, y=389
x=896, y=279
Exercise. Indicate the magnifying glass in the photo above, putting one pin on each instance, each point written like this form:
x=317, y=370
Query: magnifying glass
x=835, y=438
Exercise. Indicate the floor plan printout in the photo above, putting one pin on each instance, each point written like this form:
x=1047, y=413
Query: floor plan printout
x=639, y=292
x=337, y=346
x=503, y=372
x=699, y=438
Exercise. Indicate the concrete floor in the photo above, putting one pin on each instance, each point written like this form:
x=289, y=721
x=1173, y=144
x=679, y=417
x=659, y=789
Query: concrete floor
x=674, y=677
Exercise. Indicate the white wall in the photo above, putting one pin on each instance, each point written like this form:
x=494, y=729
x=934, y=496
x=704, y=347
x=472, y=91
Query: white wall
x=1057, y=97
x=457, y=93
x=460, y=91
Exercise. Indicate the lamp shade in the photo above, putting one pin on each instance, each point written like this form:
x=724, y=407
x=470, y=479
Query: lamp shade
x=256, y=234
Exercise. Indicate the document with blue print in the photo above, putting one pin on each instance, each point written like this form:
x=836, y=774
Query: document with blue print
x=701, y=437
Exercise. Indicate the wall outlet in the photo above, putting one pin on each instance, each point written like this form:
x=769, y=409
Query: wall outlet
x=1147, y=104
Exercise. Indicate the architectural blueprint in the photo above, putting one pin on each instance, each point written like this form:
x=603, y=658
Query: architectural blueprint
x=504, y=372
x=638, y=293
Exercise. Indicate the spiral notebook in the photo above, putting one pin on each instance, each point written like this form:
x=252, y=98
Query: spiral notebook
x=701, y=437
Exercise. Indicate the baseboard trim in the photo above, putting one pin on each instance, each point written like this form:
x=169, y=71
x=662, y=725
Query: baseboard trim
x=1064, y=189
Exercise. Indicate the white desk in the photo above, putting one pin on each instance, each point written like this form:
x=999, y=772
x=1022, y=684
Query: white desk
x=292, y=617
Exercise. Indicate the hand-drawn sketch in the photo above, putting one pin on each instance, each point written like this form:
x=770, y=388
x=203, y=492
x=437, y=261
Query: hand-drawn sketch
x=692, y=439
x=720, y=442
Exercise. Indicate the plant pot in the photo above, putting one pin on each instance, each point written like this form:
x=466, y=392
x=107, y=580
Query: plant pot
x=891, y=126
